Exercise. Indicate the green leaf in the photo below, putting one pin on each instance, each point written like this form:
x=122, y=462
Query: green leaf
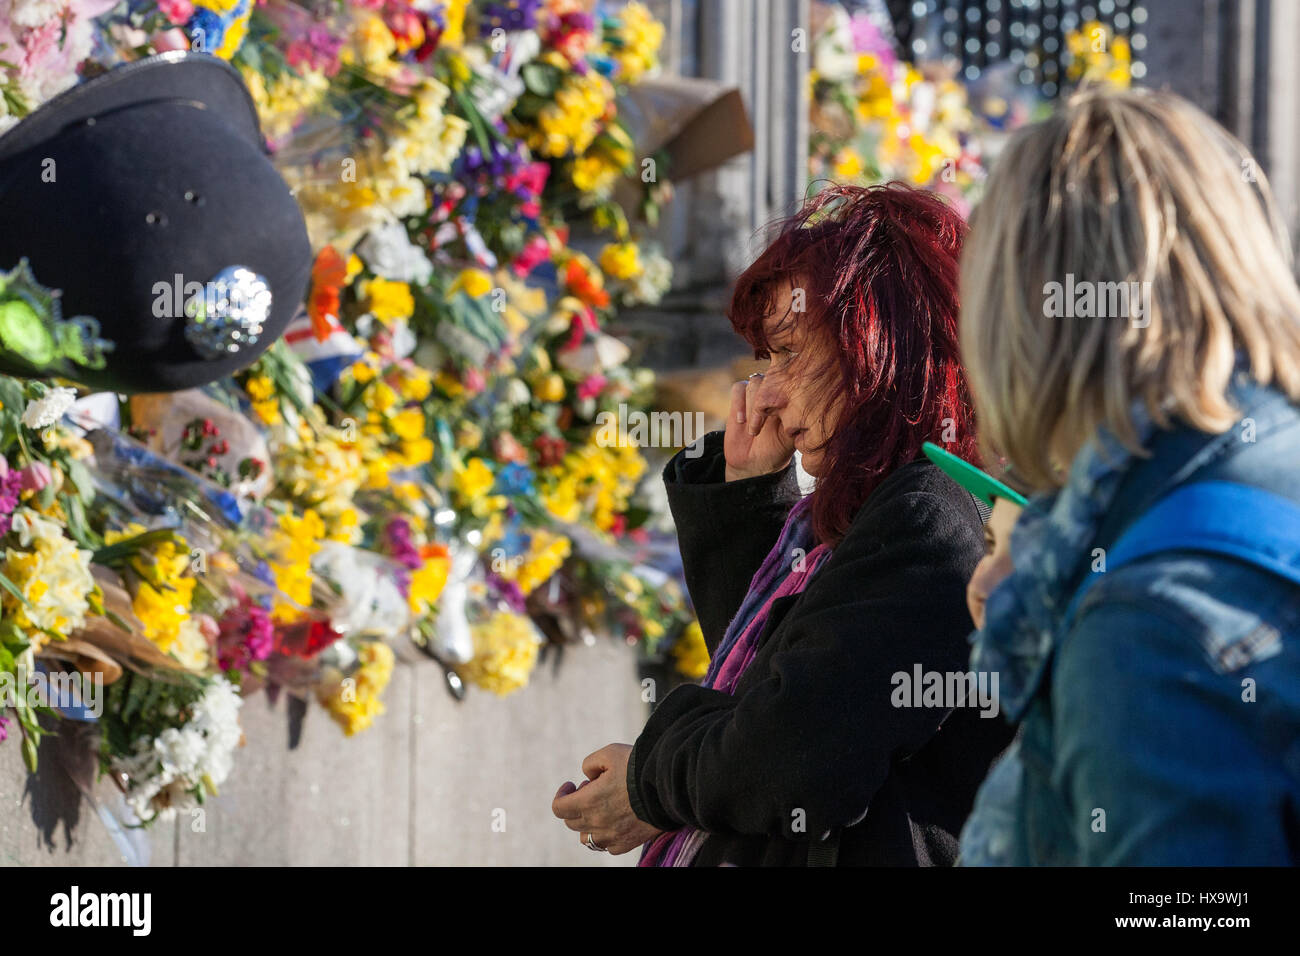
x=540, y=79
x=79, y=475
x=636, y=517
x=13, y=589
x=77, y=527
x=114, y=553
x=529, y=105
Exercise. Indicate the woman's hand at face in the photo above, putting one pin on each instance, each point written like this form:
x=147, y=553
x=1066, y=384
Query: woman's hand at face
x=755, y=443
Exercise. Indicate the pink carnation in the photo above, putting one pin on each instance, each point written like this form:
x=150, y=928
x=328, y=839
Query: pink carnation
x=592, y=386
x=177, y=11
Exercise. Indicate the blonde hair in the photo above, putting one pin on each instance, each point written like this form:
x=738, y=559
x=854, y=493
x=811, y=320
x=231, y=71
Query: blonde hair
x=1122, y=186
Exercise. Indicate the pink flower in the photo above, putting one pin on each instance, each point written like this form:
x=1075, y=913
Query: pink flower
x=535, y=252
x=531, y=177
x=36, y=476
x=592, y=386
x=177, y=11
x=474, y=381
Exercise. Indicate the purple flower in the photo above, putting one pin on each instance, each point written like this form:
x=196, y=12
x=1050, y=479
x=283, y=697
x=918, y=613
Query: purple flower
x=397, y=539
x=509, y=592
x=10, y=485
x=509, y=15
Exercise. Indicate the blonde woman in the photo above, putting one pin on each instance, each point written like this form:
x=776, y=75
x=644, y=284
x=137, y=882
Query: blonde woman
x=1131, y=328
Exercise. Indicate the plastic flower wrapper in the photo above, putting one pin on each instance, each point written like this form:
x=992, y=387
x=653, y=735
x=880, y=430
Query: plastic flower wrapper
x=134, y=479
x=169, y=744
x=384, y=121
x=496, y=68
x=175, y=604
x=372, y=599
x=452, y=640
x=234, y=555
x=208, y=436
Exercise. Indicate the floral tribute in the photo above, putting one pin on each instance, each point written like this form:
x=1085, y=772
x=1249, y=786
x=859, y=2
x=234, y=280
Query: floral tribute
x=417, y=460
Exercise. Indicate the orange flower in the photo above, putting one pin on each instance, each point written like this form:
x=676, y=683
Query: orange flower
x=582, y=285
x=328, y=274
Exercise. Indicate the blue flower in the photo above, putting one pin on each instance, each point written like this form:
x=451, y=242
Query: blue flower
x=206, y=30
x=515, y=479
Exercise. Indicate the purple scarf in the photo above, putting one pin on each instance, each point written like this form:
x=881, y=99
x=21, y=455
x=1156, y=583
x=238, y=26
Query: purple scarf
x=773, y=580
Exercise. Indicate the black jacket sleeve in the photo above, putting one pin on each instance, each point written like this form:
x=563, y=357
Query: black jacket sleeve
x=808, y=740
x=724, y=529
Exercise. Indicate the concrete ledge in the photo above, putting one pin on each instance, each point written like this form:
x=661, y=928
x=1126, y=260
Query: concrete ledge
x=433, y=782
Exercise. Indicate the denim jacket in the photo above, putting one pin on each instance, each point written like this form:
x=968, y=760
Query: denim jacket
x=1160, y=723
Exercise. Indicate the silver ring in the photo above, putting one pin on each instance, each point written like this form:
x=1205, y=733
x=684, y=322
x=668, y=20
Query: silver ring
x=591, y=844
x=754, y=375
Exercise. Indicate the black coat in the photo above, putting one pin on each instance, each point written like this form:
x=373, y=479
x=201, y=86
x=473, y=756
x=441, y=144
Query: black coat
x=810, y=753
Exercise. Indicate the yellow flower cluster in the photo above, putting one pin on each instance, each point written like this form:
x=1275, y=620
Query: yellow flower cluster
x=546, y=553
x=355, y=701
x=294, y=543
x=382, y=185
x=1097, y=56
x=568, y=125
x=691, y=653
x=621, y=260
x=429, y=139
x=505, y=651
x=394, y=435
x=388, y=301
x=848, y=164
x=427, y=583
x=323, y=471
x=641, y=36
x=475, y=283
x=472, y=484
x=163, y=597
x=595, y=174
x=281, y=102
x=261, y=394
x=51, y=573
x=593, y=479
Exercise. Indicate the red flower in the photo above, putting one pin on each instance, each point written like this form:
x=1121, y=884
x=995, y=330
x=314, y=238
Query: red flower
x=550, y=450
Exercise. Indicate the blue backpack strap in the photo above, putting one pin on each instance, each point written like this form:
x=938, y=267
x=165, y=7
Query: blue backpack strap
x=1220, y=517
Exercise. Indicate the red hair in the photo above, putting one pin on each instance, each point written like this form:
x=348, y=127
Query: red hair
x=878, y=266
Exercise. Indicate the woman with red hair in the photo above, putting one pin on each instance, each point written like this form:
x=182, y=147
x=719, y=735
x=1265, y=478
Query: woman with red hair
x=831, y=727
